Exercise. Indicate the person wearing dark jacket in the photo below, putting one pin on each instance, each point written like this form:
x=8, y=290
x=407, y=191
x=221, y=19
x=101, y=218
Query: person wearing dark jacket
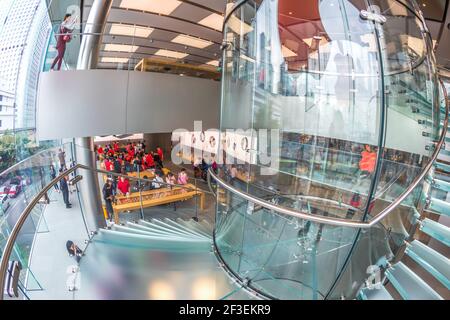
x=108, y=196
x=64, y=187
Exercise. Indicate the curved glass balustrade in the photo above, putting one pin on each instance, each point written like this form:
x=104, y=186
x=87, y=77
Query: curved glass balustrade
x=331, y=108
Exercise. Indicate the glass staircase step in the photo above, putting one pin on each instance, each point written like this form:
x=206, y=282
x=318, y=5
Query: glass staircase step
x=193, y=225
x=444, y=153
x=135, y=228
x=149, y=242
x=374, y=294
x=153, y=231
x=441, y=185
x=431, y=260
x=436, y=230
x=191, y=230
x=143, y=225
x=153, y=225
x=442, y=166
x=117, y=272
x=409, y=285
x=201, y=227
x=440, y=206
x=177, y=228
x=207, y=225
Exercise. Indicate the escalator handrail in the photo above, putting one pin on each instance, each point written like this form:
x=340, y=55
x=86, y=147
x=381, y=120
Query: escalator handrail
x=344, y=222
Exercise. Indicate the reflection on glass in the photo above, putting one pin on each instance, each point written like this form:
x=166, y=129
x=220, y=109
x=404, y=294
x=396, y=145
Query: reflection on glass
x=349, y=90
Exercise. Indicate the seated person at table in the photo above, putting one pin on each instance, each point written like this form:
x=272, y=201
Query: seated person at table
x=170, y=179
x=146, y=185
x=157, y=181
x=123, y=186
x=182, y=177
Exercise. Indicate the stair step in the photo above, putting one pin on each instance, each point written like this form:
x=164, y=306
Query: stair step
x=164, y=229
x=441, y=185
x=436, y=230
x=431, y=260
x=375, y=294
x=439, y=206
x=442, y=166
x=178, y=228
x=409, y=285
x=193, y=225
x=157, y=233
x=149, y=242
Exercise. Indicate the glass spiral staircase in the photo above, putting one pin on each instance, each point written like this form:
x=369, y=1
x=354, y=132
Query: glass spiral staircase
x=293, y=235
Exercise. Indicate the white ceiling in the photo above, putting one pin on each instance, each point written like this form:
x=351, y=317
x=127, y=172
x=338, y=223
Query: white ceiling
x=183, y=20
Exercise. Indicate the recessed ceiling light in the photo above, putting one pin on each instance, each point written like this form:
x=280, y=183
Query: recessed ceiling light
x=157, y=6
x=120, y=47
x=214, y=21
x=130, y=30
x=214, y=63
x=114, y=60
x=192, y=41
x=171, y=54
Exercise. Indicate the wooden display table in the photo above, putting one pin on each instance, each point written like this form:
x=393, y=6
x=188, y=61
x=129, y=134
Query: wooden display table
x=156, y=197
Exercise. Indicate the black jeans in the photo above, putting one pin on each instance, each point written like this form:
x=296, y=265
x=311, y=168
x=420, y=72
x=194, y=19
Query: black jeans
x=65, y=194
x=109, y=209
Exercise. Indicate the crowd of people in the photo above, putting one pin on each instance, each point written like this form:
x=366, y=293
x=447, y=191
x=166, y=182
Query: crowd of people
x=130, y=158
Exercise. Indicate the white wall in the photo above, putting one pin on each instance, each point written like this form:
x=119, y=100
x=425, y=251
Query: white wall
x=104, y=102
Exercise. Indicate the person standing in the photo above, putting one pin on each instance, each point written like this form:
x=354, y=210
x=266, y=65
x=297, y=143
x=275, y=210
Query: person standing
x=63, y=185
x=62, y=159
x=160, y=154
x=53, y=176
x=64, y=36
x=108, y=196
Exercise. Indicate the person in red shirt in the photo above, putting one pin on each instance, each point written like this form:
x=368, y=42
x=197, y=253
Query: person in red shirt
x=108, y=165
x=368, y=161
x=116, y=147
x=160, y=153
x=149, y=161
x=123, y=186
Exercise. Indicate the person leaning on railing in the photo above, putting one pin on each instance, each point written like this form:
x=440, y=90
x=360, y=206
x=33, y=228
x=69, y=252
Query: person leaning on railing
x=64, y=36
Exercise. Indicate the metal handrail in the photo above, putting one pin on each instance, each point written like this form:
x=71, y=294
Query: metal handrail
x=80, y=166
x=343, y=222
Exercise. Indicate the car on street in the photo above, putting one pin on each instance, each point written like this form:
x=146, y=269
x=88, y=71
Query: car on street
x=4, y=203
x=14, y=190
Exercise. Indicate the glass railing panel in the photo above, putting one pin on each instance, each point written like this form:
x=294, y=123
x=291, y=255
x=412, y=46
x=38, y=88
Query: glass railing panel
x=124, y=46
x=283, y=256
